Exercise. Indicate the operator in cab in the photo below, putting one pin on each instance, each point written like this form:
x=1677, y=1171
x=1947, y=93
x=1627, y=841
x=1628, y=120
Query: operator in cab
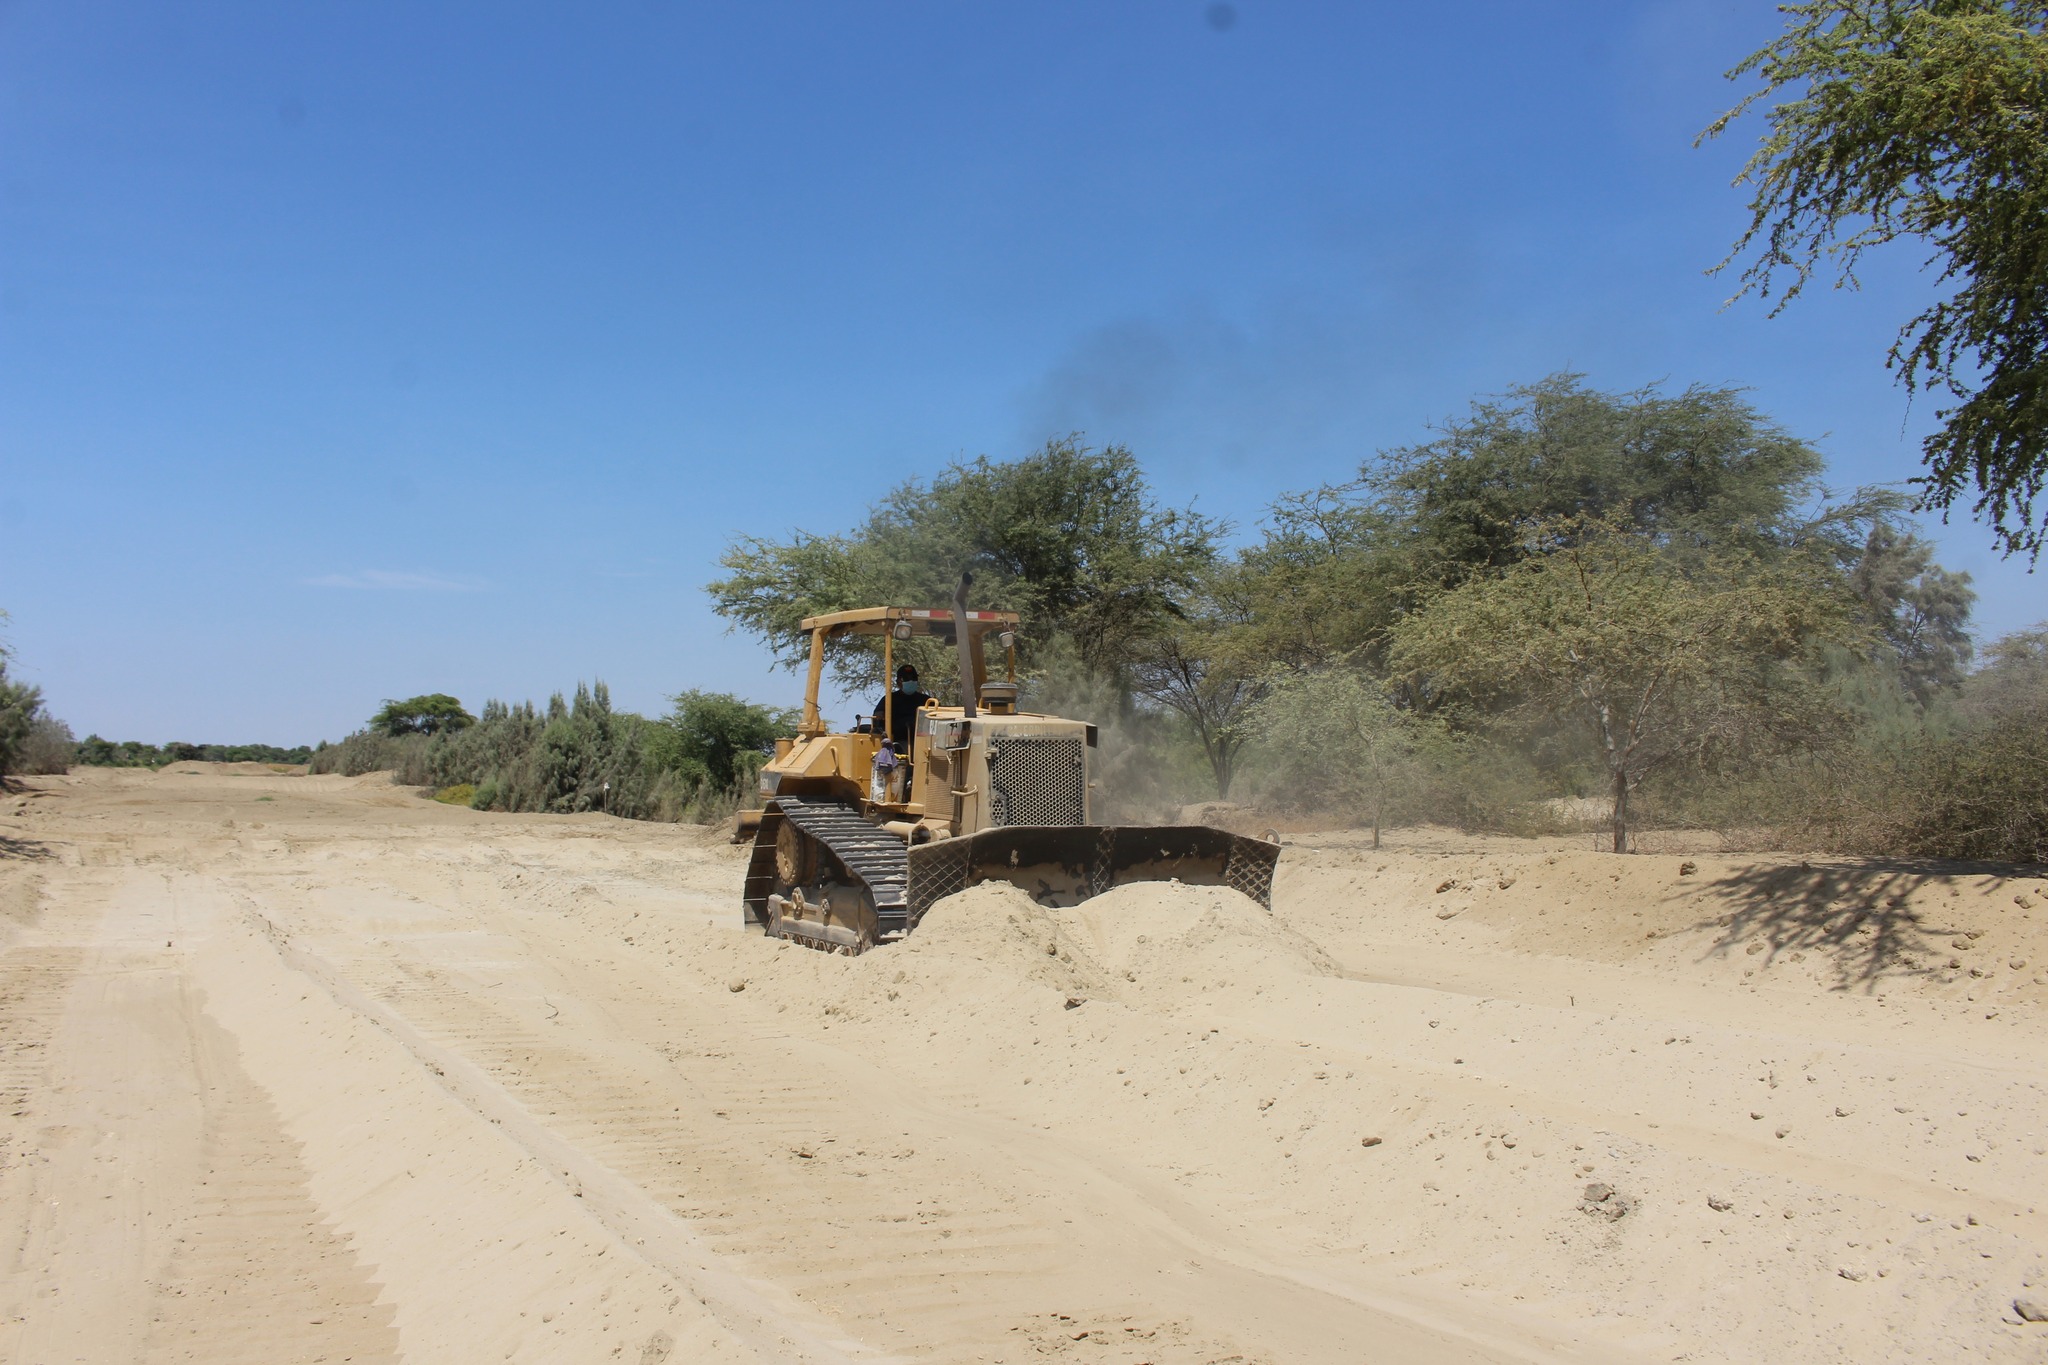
x=896, y=713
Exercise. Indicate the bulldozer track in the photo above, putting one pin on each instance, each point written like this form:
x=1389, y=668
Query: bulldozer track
x=875, y=858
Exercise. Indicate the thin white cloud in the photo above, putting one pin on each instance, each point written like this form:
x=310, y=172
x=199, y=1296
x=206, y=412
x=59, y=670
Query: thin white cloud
x=387, y=580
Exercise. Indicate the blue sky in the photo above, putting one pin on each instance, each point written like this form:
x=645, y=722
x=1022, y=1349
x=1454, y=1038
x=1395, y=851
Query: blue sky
x=351, y=351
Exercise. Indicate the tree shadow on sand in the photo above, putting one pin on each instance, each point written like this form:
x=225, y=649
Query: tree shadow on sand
x=1858, y=917
x=28, y=849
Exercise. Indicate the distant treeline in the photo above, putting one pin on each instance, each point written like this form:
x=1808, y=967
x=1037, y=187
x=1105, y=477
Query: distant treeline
x=697, y=763
x=94, y=752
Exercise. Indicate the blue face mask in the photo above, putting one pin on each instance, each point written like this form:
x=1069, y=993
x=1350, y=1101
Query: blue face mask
x=910, y=687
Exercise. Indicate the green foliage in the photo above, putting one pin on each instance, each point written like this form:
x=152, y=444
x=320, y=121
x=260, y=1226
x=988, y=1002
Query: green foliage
x=579, y=754
x=1206, y=668
x=1644, y=596
x=1071, y=537
x=717, y=738
x=1648, y=663
x=2014, y=679
x=429, y=714
x=370, y=751
x=20, y=707
x=95, y=752
x=1695, y=472
x=1923, y=119
x=1969, y=780
x=1697, y=469
x=1920, y=610
x=48, y=748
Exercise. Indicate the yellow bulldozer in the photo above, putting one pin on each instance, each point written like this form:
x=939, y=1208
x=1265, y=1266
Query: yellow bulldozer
x=849, y=854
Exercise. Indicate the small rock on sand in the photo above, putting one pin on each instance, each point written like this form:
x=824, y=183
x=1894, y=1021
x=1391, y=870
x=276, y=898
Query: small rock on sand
x=1604, y=1201
x=1719, y=1204
x=736, y=985
x=2031, y=1308
x=1369, y=1142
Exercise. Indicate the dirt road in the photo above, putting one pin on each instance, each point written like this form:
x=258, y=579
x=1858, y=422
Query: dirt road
x=303, y=1069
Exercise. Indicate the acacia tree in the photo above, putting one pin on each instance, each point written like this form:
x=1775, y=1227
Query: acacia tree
x=1071, y=537
x=1922, y=119
x=1204, y=667
x=1650, y=664
x=431, y=713
x=1698, y=468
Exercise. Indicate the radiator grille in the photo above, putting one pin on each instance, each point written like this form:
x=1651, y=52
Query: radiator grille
x=1037, y=781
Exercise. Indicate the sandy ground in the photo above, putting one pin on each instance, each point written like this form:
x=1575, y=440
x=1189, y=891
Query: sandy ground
x=301, y=1069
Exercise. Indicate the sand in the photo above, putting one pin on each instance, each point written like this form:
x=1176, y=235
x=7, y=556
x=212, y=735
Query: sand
x=309, y=1068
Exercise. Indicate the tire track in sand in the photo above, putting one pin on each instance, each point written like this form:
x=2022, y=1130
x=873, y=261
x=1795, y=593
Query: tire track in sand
x=746, y=1150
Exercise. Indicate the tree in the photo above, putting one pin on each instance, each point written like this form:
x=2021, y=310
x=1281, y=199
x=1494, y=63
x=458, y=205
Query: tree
x=1649, y=662
x=1201, y=669
x=1697, y=470
x=1921, y=610
x=1923, y=119
x=717, y=738
x=49, y=747
x=20, y=707
x=588, y=756
x=2014, y=678
x=430, y=714
x=1070, y=537
x=1338, y=738
x=1328, y=578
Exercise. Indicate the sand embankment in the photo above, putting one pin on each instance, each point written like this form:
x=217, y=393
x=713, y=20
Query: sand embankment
x=304, y=1067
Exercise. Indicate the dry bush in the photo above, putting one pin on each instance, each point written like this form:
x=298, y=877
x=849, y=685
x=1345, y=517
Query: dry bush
x=47, y=748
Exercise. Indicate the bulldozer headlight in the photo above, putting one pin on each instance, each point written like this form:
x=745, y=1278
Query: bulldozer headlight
x=901, y=630
x=1008, y=639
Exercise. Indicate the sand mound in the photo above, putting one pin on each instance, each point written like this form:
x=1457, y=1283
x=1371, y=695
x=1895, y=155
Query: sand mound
x=1016, y=940
x=1207, y=936
x=196, y=768
x=1162, y=932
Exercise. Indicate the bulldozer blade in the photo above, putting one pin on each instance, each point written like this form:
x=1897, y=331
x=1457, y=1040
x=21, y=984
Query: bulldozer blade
x=1067, y=864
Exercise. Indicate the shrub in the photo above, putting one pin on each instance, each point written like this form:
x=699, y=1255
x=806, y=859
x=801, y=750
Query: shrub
x=48, y=748
x=717, y=738
x=20, y=705
x=366, y=751
x=461, y=794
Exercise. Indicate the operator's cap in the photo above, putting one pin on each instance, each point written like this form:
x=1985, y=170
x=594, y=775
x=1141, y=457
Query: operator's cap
x=906, y=671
